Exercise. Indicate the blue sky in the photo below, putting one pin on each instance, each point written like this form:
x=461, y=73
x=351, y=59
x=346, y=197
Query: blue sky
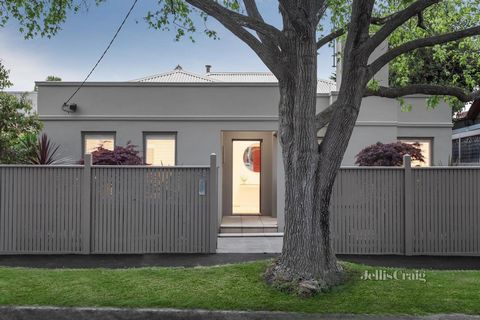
x=138, y=51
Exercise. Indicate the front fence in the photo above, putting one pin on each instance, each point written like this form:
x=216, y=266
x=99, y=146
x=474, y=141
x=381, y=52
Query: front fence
x=368, y=210
x=407, y=211
x=108, y=209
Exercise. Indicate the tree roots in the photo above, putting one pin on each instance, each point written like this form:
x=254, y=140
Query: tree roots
x=285, y=280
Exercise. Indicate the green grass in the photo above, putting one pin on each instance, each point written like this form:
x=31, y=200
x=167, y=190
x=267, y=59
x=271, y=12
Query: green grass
x=238, y=286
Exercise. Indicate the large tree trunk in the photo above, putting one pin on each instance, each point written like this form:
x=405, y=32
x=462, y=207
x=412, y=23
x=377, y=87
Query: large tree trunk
x=308, y=263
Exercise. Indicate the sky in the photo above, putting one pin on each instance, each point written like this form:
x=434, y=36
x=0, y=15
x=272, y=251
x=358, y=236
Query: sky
x=138, y=50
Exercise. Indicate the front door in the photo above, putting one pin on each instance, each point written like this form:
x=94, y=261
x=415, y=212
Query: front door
x=247, y=173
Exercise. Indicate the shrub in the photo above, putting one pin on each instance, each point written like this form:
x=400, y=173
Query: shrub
x=388, y=155
x=127, y=155
x=18, y=124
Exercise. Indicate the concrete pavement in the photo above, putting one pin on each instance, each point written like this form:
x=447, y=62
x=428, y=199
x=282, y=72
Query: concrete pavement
x=52, y=313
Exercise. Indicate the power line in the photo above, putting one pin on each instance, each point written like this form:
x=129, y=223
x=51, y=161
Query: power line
x=104, y=52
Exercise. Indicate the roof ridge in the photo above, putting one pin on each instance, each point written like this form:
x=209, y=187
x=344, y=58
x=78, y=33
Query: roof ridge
x=164, y=74
x=242, y=72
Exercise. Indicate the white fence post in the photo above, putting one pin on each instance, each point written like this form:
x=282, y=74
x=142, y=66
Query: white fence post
x=213, y=202
x=86, y=204
x=408, y=214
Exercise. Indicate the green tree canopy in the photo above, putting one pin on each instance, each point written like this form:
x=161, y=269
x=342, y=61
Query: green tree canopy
x=455, y=63
x=19, y=127
x=40, y=17
x=53, y=78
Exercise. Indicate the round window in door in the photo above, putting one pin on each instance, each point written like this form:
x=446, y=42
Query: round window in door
x=252, y=157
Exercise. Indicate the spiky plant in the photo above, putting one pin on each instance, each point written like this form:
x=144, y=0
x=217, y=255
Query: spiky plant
x=46, y=152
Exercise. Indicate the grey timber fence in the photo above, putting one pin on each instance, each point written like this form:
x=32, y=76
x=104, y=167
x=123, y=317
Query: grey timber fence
x=108, y=209
x=143, y=209
x=407, y=211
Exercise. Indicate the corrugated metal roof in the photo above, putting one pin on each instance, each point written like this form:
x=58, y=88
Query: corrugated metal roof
x=180, y=75
x=323, y=86
x=326, y=86
x=242, y=76
x=176, y=75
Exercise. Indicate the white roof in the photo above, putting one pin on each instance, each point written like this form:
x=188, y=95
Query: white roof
x=176, y=75
x=243, y=76
x=180, y=75
x=326, y=86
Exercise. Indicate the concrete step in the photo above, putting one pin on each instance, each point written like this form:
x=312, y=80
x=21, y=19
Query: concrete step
x=236, y=235
x=249, y=244
x=247, y=229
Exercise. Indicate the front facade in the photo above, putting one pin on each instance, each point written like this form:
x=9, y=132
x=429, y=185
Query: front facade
x=181, y=122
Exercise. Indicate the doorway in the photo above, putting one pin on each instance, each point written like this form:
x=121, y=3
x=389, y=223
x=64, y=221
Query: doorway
x=248, y=173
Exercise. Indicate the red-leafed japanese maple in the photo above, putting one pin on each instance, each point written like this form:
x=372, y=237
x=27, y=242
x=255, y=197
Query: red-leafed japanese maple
x=388, y=155
x=127, y=155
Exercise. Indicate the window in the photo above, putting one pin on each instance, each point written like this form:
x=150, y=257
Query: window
x=92, y=140
x=470, y=149
x=425, y=146
x=160, y=149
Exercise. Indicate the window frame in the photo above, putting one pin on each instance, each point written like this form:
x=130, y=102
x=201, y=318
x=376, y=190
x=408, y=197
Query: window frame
x=86, y=133
x=165, y=133
x=430, y=139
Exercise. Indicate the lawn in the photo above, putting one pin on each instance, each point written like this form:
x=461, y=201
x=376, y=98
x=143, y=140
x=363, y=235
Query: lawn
x=238, y=286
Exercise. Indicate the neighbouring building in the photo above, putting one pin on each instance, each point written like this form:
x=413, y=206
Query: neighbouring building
x=180, y=118
x=466, y=137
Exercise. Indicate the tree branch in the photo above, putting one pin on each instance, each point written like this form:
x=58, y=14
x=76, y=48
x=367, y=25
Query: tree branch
x=430, y=89
x=220, y=13
x=252, y=11
x=320, y=6
x=332, y=36
x=323, y=118
x=340, y=32
x=419, y=43
x=237, y=23
x=295, y=16
x=397, y=19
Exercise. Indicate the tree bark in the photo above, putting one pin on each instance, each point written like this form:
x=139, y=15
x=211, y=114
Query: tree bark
x=307, y=253
x=308, y=263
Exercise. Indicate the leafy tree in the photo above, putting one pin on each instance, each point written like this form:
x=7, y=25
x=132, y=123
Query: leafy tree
x=53, y=78
x=4, y=77
x=40, y=17
x=388, y=155
x=452, y=63
x=17, y=126
x=308, y=262
x=127, y=155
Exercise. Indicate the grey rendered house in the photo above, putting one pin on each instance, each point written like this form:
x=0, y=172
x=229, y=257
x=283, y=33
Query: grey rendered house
x=180, y=118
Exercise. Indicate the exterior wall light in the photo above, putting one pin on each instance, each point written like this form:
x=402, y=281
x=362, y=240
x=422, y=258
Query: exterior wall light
x=69, y=108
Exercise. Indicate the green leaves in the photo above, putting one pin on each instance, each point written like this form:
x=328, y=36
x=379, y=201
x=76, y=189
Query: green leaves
x=455, y=63
x=17, y=125
x=182, y=18
x=4, y=77
x=40, y=17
